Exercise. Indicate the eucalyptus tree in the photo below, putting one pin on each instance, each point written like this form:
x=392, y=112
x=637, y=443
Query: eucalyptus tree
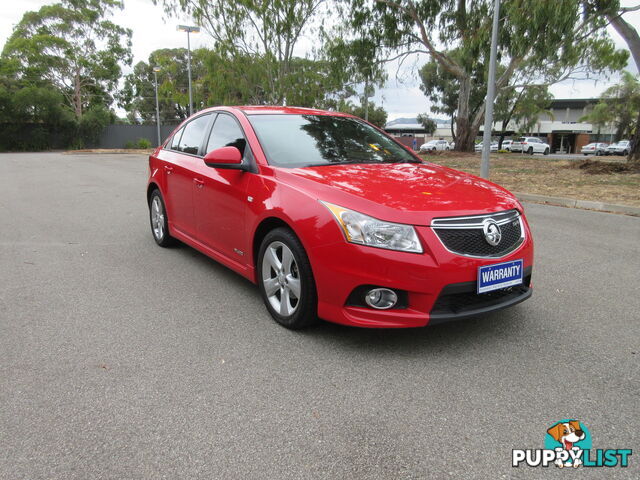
x=269, y=30
x=539, y=43
x=75, y=48
x=430, y=126
x=522, y=107
x=619, y=106
x=614, y=13
x=377, y=114
x=137, y=96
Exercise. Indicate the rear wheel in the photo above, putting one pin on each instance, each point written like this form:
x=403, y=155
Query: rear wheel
x=530, y=151
x=286, y=281
x=159, y=221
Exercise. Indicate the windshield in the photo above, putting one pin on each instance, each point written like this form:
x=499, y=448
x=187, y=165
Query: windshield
x=313, y=140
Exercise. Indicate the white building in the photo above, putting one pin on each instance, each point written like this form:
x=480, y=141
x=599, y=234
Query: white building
x=561, y=127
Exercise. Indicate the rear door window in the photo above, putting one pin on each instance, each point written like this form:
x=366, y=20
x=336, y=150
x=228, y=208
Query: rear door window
x=193, y=135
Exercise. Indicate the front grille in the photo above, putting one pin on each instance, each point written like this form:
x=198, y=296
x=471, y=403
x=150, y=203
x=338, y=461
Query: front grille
x=459, y=300
x=465, y=235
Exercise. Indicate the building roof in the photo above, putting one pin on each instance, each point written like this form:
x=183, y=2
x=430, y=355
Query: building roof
x=573, y=102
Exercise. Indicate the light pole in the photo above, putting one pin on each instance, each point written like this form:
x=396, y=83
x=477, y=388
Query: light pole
x=189, y=30
x=491, y=93
x=155, y=79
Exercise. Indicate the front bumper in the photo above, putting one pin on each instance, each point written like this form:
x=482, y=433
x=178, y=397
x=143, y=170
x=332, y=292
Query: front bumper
x=427, y=278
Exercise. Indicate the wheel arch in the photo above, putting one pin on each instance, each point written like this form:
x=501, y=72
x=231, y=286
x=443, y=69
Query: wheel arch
x=261, y=231
x=150, y=188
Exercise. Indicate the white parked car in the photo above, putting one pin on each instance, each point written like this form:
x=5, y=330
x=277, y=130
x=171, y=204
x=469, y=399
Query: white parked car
x=623, y=147
x=433, y=145
x=530, y=145
x=506, y=145
x=594, y=149
x=492, y=148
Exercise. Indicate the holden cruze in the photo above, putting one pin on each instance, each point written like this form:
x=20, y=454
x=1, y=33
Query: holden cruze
x=335, y=220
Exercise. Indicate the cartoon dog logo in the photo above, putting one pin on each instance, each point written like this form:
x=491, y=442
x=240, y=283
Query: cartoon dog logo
x=568, y=433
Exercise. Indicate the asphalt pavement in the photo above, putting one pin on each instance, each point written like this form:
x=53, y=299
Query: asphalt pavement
x=123, y=360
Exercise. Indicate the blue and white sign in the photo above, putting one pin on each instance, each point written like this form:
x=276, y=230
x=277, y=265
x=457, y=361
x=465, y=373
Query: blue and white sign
x=500, y=275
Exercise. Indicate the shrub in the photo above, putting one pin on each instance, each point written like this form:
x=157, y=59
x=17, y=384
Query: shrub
x=143, y=143
x=93, y=122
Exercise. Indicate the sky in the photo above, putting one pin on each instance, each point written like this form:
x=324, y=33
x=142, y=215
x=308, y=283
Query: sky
x=401, y=96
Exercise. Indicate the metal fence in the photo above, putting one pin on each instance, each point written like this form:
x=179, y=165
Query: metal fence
x=122, y=136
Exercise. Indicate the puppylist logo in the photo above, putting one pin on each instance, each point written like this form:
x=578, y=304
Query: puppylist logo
x=568, y=444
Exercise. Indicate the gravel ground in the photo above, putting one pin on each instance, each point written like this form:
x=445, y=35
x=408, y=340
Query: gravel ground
x=119, y=359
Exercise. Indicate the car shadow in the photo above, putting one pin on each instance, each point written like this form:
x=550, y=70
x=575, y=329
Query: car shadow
x=497, y=328
x=502, y=327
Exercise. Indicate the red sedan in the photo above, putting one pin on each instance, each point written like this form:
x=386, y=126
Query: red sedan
x=333, y=219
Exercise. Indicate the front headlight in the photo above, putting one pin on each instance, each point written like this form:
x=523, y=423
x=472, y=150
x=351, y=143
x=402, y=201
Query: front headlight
x=366, y=230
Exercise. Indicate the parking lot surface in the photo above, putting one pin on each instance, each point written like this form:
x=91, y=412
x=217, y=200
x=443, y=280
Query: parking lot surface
x=119, y=359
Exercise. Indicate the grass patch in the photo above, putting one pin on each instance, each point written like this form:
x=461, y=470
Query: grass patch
x=612, y=183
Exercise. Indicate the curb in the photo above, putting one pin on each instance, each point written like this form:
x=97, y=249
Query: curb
x=583, y=204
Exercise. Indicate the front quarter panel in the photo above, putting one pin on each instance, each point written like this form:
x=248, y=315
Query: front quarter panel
x=310, y=220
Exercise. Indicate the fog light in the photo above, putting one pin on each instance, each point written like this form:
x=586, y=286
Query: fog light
x=381, y=298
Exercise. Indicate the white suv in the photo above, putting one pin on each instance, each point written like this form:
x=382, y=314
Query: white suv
x=434, y=145
x=530, y=145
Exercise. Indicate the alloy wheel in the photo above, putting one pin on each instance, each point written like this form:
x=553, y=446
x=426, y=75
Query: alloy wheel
x=157, y=218
x=281, y=278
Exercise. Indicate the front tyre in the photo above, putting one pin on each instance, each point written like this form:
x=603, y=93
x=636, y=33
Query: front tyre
x=286, y=281
x=546, y=151
x=159, y=221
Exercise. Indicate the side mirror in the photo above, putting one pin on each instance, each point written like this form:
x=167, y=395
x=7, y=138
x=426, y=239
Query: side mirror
x=225, y=157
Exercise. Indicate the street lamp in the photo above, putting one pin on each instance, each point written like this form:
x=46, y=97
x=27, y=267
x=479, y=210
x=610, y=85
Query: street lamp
x=155, y=78
x=491, y=94
x=189, y=30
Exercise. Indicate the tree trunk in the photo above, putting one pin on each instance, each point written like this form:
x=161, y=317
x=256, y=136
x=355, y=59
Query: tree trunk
x=465, y=137
x=453, y=133
x=634, y=154
x=77, y=96
x=631, y=36
x=628, y=33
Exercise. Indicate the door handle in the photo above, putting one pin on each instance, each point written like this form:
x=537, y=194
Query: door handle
x=168, y=169
x=199, y=183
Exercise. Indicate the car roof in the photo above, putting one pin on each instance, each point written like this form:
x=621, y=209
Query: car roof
x=279, y=110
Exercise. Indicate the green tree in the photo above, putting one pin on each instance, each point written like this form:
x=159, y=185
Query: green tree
x=539, y=43
x=354, y=62
x=138, y=94
x=377, y=115
x=614, y=12
x=619, y=106
x=265, y=29
x=72, y=47
x=523, y=107
x=430, y=126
